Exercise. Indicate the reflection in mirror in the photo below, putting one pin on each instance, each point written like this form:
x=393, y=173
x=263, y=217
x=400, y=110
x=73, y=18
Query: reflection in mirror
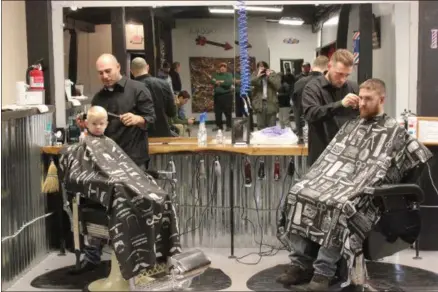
x=189, y=47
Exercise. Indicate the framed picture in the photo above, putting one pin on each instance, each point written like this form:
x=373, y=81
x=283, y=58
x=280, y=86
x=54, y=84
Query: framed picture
x=294, y=65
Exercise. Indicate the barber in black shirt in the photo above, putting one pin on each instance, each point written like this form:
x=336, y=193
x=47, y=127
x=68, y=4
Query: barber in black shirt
x=318, y=68
x=130, y=100
x=162, y=95
x=329, y=101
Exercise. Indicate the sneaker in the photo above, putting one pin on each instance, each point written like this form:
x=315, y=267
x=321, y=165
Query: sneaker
x=295, y=276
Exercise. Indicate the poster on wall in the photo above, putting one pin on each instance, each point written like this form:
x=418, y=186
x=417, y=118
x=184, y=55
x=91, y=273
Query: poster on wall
x=201, y=70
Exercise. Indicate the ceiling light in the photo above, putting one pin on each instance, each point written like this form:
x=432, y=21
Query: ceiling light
x=332, y=21
x=262, y=8
x=73, y=7
x=221, y=10
x=289, y=21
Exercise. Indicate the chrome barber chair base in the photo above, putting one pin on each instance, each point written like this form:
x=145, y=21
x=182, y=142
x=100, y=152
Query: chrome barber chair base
x=184, y=268
x=114, y=282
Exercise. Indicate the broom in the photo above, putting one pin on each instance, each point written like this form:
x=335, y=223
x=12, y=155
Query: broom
x=51, y=184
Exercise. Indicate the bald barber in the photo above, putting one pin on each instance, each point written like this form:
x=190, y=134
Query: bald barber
x=133, y=105
x=162, y=95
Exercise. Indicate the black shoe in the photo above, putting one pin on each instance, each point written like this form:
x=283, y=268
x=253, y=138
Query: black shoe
x=84, y=267
x=295, y=276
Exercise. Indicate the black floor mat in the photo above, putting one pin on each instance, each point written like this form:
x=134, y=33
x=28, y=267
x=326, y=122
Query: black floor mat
x=211, y=280
x=383, y=277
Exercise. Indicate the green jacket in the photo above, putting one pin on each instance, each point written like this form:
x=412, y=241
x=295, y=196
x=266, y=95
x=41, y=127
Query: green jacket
x=274, y=84
x=224, y=87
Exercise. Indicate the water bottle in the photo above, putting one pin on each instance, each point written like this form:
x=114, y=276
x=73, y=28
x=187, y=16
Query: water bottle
x=220, y=137
x=202, y=132
x=49, y=136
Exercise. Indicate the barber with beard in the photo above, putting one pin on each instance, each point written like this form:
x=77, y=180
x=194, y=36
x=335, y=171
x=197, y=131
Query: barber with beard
x=329, y=101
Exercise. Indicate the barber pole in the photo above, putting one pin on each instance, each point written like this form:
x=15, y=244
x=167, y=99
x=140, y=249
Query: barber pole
x=434, y=39
x=356, y=40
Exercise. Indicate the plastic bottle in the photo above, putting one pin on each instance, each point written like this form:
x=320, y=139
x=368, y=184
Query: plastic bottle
x=202, y=132
x=49, y=135
x=220, y=137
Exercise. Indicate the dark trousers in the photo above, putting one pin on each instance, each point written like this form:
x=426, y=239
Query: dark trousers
x=93, y=250
x=223, y=104
x=239, y=106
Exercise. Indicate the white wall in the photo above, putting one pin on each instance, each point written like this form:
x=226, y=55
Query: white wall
x=14, y=48
x=90, y=47
x=266, y=40
x=305, y=49
x=329, y=33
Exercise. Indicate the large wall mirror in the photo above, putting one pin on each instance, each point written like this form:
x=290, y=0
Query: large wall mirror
x=201, y=43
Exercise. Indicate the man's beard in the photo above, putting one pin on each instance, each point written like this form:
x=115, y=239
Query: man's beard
x=368, y=114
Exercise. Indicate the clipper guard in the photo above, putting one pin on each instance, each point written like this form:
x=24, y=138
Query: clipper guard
x=184, y=267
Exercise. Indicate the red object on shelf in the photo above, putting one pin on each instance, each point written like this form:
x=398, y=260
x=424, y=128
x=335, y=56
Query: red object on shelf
x=36, y=78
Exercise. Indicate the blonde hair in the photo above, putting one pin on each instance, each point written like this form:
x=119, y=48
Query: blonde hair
x=321, y=62
x=96, y=112
x=374, y=84
x=343, y=56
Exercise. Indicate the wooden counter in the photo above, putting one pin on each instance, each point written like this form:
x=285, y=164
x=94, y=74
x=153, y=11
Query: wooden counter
x=181, y=144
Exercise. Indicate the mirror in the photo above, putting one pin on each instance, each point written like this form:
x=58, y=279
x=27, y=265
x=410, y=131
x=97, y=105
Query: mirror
x=189, y=43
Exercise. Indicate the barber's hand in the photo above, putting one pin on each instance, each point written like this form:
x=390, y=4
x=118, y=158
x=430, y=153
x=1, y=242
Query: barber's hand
x=129, y=119
x=191, y=121
x=351, y=100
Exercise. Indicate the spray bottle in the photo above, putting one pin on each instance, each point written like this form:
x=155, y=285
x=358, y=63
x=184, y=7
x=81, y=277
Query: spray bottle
x=202, y=132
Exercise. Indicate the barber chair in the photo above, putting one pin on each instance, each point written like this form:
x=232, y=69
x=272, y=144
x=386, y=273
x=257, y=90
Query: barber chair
x=398, y=228
x=92, y=219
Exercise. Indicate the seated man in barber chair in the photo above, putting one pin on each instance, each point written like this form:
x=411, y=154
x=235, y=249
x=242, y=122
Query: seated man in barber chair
x=142, y=224
x=330, y=213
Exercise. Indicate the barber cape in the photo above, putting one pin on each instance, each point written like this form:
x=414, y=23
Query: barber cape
x=142, y=220
x=329, y=205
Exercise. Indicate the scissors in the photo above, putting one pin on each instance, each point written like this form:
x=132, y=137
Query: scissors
x=360, y=164
x=113, y=115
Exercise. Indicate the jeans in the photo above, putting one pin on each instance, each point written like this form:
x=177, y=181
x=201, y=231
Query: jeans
x=93, y=250
x=306, y=253
x=284, y=117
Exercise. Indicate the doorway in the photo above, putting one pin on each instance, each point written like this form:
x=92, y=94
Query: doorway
x=294, y=65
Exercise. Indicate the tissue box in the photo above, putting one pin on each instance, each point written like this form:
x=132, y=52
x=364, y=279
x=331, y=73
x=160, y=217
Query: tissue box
x=32, y=97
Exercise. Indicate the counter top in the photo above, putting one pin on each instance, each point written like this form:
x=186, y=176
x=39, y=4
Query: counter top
x=181, y=144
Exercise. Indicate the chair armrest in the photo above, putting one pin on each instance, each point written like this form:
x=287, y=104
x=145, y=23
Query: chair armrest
x=411, y=190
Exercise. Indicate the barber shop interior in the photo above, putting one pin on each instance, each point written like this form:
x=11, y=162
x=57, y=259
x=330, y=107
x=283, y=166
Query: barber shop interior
x=219, y=146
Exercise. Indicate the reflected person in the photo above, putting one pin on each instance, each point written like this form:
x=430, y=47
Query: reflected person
x=223, y=97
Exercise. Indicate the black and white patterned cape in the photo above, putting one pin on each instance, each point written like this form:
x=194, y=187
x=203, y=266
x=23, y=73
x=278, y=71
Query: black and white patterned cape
x=142, y=220
x=329, y=205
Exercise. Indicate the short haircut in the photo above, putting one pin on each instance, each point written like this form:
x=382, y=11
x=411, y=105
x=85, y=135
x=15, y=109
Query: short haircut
x=343, y=56
x=184, y=94
x=175, y=65
x=96, y=112
x=374, y=84
x=321, y=62
x=138, y=64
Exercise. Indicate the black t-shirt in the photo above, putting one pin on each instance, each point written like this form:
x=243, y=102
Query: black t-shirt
x=128, y=96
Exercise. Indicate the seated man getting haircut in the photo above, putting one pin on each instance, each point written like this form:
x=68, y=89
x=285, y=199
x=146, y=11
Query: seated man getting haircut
x=142, y=220
x=327, y=215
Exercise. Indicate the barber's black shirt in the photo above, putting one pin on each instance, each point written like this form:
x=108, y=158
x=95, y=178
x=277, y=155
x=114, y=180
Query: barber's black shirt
x=128, y=96
x=164, y=104
x=324, y=112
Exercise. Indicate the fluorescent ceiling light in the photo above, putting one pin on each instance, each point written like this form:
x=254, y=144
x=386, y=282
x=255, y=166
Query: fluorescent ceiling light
x=221, y=10
x=289, y=21
x=247, y=8
x=262, y=8
x=332, y=21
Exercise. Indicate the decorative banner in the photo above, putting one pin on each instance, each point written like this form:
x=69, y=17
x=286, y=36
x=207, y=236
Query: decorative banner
x=291, y=41
x=434, y=39
x=356, y=41
x=202, y=41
